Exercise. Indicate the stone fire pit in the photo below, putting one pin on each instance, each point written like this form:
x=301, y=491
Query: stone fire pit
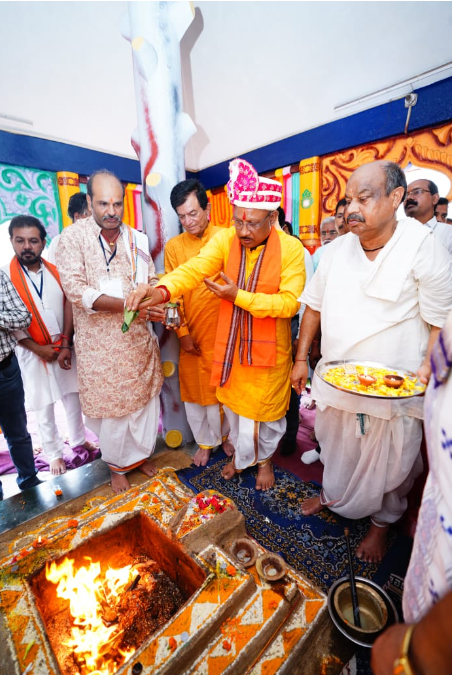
x=228, y=621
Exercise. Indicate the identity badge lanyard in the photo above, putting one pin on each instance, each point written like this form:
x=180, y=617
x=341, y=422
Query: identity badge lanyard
x=107, y=262
x=39, y=291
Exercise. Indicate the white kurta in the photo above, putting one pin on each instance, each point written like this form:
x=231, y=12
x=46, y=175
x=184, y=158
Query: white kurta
x=442, y=232
x=375, y=311
x=45, y=383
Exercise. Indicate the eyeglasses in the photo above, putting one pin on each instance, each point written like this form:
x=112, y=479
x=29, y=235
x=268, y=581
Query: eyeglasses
x=239, y=224
x=416, y=192
x=331, y=232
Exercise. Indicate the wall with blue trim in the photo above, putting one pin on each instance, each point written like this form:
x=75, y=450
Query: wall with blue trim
x=434, y=107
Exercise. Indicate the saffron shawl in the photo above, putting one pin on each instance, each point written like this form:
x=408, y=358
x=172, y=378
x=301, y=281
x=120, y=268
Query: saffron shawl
x=37, y=329
x=257, y=337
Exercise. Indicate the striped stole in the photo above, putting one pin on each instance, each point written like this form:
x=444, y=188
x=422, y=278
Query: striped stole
x=257, y=337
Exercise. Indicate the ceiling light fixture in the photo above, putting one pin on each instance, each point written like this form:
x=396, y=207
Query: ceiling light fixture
x=394, y=91
x=13, y=118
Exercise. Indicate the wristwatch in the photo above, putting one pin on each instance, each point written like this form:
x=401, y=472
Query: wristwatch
x=402, y=665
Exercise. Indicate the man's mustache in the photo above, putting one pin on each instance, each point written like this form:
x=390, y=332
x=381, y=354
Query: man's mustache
x=410, y=202
x=111, y=218
x=355, y=216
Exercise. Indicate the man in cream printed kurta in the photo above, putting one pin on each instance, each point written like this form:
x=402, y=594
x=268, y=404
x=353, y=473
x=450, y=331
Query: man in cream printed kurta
x=120, y=374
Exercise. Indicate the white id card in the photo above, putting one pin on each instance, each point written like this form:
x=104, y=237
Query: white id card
x=49, y=318
x=112, y=287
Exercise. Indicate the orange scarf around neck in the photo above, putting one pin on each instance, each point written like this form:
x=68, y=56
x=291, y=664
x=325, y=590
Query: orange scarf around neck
x=257, y=341
x=37, y=329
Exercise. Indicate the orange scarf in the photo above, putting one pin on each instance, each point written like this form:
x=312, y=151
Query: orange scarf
x=257, y=342
x=37, y=329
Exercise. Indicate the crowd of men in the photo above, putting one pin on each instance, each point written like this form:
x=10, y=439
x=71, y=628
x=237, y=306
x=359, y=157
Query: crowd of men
x=380, y=290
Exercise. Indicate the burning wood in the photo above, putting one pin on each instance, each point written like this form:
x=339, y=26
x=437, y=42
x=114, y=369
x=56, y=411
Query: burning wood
x=111, y=613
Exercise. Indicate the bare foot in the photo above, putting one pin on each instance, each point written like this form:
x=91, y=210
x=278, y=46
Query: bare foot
x=119, y=482
x=201, y=457
x=372, y=548
x=57, y=467
x=265, y=478
x=228, y=471
x=148, y=468
x=311, y=506
x=228, y=447
x=90, y=446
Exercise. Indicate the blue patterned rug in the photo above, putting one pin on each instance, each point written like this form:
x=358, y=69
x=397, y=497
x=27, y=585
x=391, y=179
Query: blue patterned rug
x=313, y=545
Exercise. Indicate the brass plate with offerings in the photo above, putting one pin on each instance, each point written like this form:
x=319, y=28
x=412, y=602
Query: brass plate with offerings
x=368, y=378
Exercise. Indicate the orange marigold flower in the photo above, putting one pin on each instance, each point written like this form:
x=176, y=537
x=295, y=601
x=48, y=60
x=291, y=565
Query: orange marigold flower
x=145, y=498
x=155, y=500
x=172, y=644
x=226, y=645
x=231, y=571
x=73, y=523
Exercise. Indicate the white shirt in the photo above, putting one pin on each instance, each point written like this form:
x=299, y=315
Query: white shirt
x=442, y=232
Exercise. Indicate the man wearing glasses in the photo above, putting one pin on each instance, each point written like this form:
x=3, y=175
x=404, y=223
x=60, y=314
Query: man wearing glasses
x=263, y=274
x=200, y=309
x=420, y=203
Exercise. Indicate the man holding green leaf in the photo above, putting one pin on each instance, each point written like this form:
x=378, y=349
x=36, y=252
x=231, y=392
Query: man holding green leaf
x=120, y=374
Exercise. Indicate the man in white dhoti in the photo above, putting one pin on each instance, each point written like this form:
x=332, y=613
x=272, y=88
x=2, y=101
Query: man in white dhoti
x=381, y=293
x=120, y=374
x=48, y=372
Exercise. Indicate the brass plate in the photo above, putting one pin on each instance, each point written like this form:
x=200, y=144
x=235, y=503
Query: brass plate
x=321, y=371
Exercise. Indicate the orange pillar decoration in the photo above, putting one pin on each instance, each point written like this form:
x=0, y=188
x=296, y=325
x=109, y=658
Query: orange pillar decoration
x=129, y=206
x=68, y=185
x=309, y=202
x=221, y=210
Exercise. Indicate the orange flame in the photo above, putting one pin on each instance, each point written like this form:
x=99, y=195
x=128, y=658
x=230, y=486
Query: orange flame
x=95, y=644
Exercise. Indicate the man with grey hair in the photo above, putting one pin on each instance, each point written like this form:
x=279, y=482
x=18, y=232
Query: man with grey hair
x=381, y=295
x=328, y=234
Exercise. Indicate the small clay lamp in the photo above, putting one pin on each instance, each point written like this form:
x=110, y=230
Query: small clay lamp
x=271, y=567
x=394, y=381
x=366, y=379
x=245, y=551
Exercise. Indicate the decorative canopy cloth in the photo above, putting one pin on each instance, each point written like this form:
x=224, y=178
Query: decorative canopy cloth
x=247, y=189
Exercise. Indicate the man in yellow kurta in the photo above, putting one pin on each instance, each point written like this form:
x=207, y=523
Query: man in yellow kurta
x=200, y=309
x=263, y=272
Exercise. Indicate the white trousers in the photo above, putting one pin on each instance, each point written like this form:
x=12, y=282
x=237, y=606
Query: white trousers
x=51, y=440
x=127, y=441
x=370, y=474
x=253, y=441
x=208, y=423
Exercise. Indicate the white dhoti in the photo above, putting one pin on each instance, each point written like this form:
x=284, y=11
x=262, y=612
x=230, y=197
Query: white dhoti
x=208, y=424
x=52, y=442
x=369, y=474
x=128, y=441
x=254, y=442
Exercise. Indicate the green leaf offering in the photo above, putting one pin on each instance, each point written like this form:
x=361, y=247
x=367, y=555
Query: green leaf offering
x=128, y=318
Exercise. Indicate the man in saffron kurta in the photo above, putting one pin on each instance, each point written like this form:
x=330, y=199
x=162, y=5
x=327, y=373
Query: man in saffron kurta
x=263, y=270
x=120, y=374
x=200, y=309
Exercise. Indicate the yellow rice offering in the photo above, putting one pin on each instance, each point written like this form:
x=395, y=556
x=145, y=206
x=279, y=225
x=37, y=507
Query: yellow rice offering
x=337, y=376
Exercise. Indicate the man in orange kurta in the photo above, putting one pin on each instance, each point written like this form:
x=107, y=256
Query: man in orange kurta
x=200, y=309
x=263, y=273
